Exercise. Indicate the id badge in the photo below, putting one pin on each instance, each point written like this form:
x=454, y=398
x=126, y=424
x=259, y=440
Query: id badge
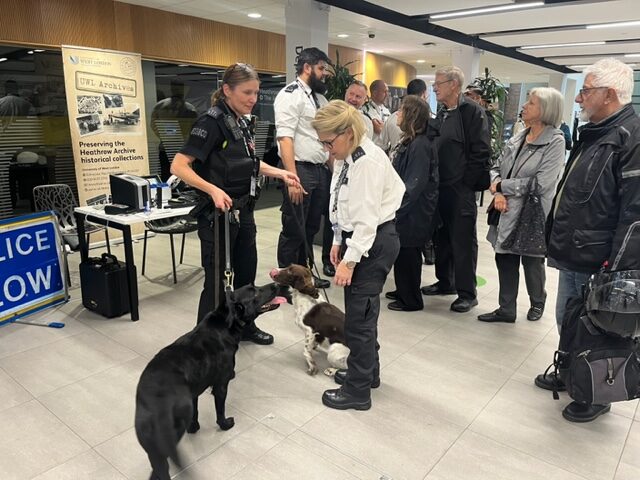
x=252, y=190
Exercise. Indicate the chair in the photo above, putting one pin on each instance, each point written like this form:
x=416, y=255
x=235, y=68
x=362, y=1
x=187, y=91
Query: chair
x=59, y=198
x=171, y=226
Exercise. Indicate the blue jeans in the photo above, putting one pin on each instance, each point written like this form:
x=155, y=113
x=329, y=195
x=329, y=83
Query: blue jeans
x=569, y=286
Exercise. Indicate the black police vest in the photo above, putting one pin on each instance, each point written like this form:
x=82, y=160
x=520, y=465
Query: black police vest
x=228, y=165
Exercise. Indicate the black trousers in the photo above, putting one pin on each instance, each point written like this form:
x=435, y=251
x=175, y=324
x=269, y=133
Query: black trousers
x=456, y=240
x=244, y=256
x=407, y=272
x=362, y=308
x=509, y=277
x=304, y=217
x=327, y=239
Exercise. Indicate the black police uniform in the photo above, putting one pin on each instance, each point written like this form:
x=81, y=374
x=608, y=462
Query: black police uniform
x=223, y=159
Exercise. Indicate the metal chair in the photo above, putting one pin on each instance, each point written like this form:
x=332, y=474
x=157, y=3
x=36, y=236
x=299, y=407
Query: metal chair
x=171, y=226
x=60, y=198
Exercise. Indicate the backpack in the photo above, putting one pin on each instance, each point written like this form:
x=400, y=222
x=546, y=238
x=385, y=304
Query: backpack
x=596, y=368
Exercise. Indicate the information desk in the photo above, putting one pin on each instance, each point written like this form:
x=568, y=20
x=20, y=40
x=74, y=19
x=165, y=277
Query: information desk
x=122, y=223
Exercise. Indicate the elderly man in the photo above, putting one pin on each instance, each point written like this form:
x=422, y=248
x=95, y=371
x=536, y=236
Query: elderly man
x=463, y=153
x=376, y=110
x=597, y=205
x=295, y=107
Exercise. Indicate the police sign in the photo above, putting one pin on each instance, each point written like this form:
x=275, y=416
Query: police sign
x=31, y=261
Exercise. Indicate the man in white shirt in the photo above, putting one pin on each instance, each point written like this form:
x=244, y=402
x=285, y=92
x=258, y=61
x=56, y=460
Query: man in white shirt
x=295, y=107
x=356, y=96
x=391, y=133
x=376, y=110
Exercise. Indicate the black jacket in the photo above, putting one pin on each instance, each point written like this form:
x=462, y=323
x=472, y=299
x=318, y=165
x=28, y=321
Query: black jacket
x=464, y=145
x=417, y=165
x=597, y=207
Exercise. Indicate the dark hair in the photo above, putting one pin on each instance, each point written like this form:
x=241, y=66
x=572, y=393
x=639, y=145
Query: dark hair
x=311, y=56
x=375, y=85
x=416, y=87
x=415, y=117
x=233, y=76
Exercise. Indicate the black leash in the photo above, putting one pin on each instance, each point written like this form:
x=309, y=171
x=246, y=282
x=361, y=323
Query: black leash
x=228, y=271
x=310, y=265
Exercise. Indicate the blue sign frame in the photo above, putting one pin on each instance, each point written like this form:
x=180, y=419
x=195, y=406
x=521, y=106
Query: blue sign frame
x=32, y=262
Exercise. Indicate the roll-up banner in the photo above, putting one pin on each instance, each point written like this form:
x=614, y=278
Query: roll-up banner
x=105, y=99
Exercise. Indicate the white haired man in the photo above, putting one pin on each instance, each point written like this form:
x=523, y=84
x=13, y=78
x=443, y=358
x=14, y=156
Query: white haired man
x=597, y=204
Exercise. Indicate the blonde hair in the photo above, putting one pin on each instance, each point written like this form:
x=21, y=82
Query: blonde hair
x=337, y=117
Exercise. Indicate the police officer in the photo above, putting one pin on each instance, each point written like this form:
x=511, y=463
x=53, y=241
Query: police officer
x=301, y=154
x=377, y=111
x=365, y=194
x=219, y=160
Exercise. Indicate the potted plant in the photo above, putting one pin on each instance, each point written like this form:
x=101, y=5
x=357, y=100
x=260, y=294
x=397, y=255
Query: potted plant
x=339, y=79
x=494, y=94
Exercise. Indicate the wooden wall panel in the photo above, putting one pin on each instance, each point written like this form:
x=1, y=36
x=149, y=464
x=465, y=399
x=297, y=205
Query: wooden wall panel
x=20, y=21
x=392, y=71
x=348, y=55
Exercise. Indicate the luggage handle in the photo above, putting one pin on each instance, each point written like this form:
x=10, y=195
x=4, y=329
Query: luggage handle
x=108, y=259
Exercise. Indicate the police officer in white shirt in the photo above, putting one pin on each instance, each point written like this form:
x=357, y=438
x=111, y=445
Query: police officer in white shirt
x=365, y=193
x=356, y=96
x=376, y=110
x=295, y=107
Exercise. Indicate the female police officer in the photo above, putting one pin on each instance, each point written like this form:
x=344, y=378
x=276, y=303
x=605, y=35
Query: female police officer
x=221, y=151
x=365, y=194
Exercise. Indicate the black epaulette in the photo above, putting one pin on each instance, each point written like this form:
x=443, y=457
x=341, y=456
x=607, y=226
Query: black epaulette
x=215, y=112
x=357, y=153
x=291, y=88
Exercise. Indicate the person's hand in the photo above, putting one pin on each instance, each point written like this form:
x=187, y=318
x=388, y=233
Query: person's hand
x=334, y=255
x=291, y=180
x=377, y=126
x=343, y=275
x=500, y=202
x=295, y=194
x=220, y=199
x=492, y=188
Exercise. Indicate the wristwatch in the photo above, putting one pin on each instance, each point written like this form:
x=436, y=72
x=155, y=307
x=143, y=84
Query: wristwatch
x=350, y=265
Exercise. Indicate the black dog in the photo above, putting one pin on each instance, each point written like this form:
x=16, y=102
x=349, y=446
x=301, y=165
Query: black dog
x=168, y=390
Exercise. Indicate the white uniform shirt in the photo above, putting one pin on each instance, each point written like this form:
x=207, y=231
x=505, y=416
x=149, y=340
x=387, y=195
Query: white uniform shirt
x=377, y=112
x=294, y=109
x=369, y=124
x=391, y=133
x=364, y=195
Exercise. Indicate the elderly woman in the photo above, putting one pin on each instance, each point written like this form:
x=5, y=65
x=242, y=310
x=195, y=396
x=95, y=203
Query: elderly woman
x=365, y=194
x=537, y=151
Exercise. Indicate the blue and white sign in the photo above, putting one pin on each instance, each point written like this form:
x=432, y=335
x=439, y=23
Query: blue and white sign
x=31, y=265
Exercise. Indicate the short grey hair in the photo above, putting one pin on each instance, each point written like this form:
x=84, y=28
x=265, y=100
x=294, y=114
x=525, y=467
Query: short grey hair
x=452, y=73
x=614, y=74
x=551, y=105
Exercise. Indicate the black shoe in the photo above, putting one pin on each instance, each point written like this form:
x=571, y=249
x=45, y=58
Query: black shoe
x=391, y=295
x=328, y=270
x=435, y=290
x=535, y=313
x=321, y=282
x=577, y=412
x=398, y=307
x=462, y=305
x=257, y=336
x=343, y=401
x=341, y=374
x=496, y=316
x=549, y=381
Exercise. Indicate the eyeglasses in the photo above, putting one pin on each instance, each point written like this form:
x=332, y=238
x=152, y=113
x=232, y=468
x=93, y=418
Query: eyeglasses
x=582, y=91
x=328, y=144
x=437, y=84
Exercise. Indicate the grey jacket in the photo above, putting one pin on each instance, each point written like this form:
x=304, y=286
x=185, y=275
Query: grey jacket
x=544, y=159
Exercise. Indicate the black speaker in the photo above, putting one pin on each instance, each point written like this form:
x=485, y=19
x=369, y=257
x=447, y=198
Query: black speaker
x=103, y=282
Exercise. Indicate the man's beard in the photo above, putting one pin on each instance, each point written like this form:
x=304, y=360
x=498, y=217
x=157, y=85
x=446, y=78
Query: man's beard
x=584, y=115
x=316, y=84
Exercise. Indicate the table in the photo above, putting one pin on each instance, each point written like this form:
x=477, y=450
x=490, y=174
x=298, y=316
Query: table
x=122, y=223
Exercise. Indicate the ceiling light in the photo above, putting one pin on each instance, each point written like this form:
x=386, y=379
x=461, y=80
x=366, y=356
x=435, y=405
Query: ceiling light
x=38, y=51
x=421, y=61
x=479, y=11
x=3, y=59
x=277, y=76
x=254, y=15
x=183, y=65
x=343, y=35
x=30, y=52
x=578, y=67
x=557, y=45
x=615, y=24
x=632, y=55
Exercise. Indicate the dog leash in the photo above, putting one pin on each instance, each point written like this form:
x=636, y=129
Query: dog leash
x=228, y=271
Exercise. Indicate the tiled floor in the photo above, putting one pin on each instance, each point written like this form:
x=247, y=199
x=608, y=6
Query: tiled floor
x=457, y=399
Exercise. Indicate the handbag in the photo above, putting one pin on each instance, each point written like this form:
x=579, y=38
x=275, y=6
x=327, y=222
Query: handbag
x=528, y=236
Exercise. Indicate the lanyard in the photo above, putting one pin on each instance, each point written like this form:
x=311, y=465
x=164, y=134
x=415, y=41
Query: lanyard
x=311, y=96
x=250, y=146
x=342, y=179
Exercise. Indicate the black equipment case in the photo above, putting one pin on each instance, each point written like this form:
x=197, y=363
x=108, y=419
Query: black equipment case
x=104, y=285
